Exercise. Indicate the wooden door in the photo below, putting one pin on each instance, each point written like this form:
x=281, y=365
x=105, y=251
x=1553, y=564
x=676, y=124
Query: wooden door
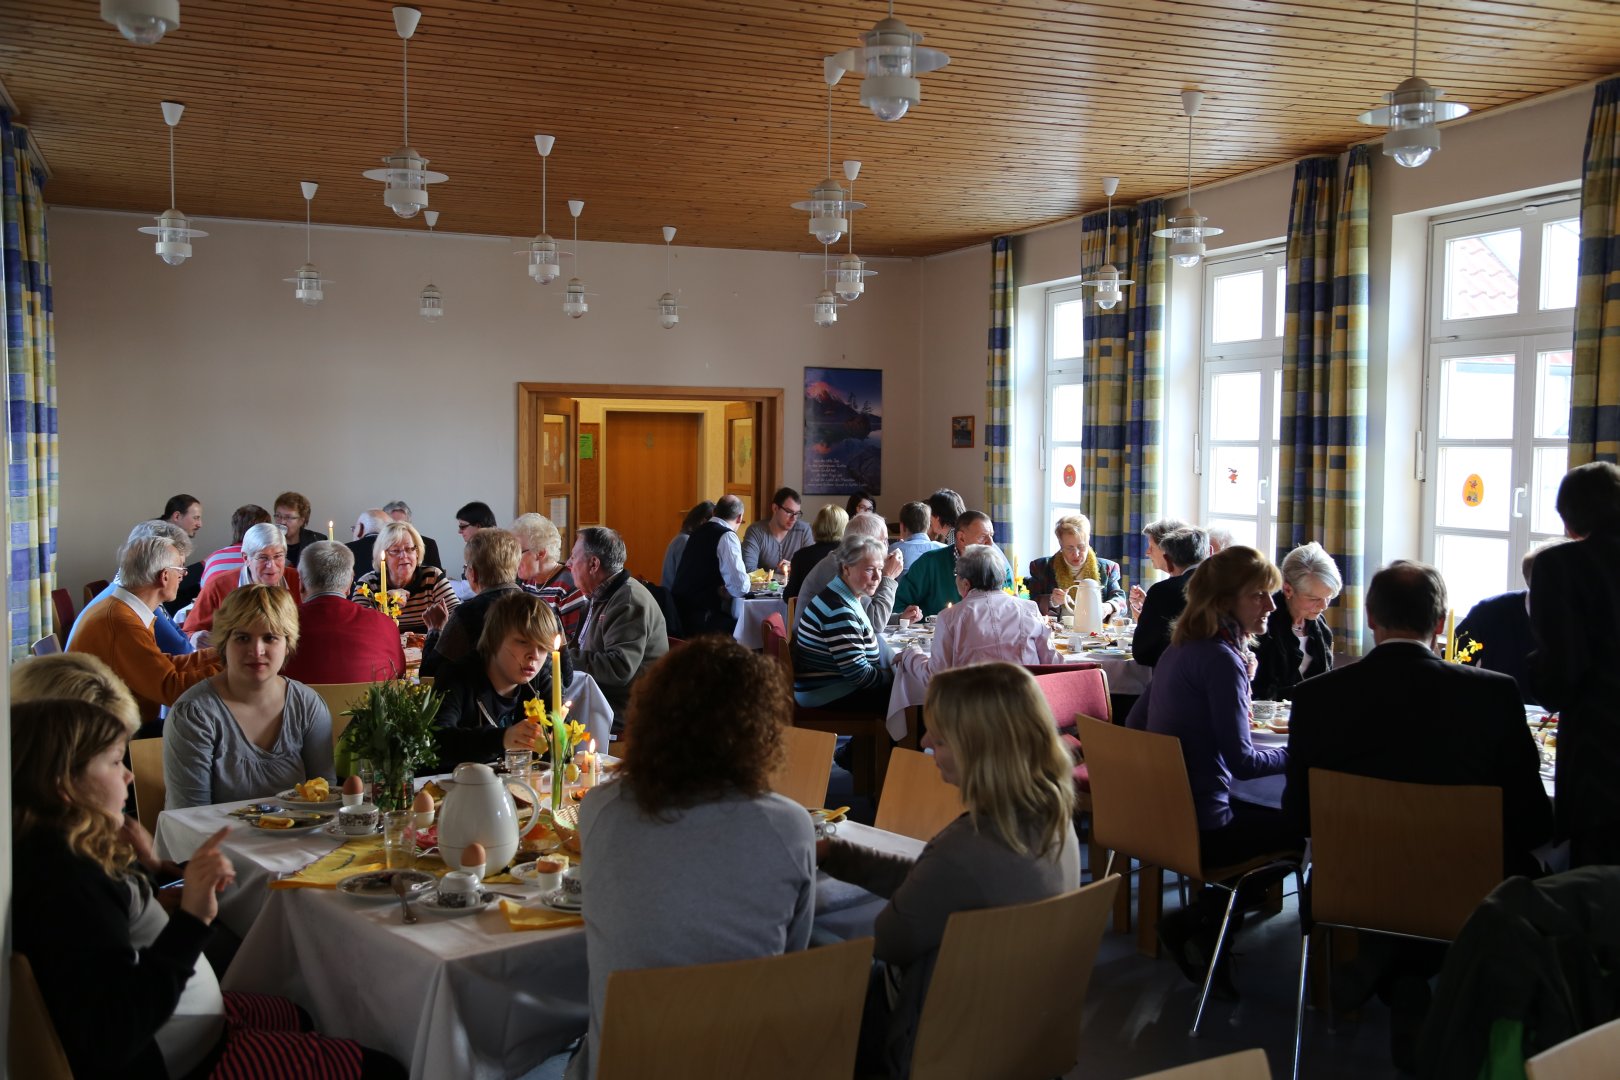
x=650, y=472
x=548, y=465
x=743, y=430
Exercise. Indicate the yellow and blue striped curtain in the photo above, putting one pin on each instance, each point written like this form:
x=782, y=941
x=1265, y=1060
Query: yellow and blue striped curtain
x=1321, y=489
x=1594, y=408
x=998, y=428
x=1121, y=480
x=31, y=477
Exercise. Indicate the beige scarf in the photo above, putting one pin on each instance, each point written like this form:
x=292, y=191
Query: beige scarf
x=1067, y=576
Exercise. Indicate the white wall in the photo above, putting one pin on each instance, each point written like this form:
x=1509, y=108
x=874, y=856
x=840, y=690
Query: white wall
x=210, y=378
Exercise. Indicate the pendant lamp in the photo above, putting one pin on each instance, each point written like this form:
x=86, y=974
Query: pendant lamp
x=308, y=281
x=1413, y=110
x=829, y=204
x=432, y=300
x=669, y=309
x=849, y=279
x=174, y=233
x=1187, y=231
x=889, y=59
x=544, y=258
x=143, y=22
x=574, y=303
x=1108, y=281
x=406, y=177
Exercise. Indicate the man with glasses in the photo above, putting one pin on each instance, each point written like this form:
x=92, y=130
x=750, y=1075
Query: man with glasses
x=169, y=638
x=228, y=559
x=771, y=543
x=264, y=552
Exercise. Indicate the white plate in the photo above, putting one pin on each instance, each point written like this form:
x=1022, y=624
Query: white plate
x=378, y=884
x=1111, y=654
x=430, y=903
x=336, y=829
x=297, y=827
x=290, y=797
x=554, y=900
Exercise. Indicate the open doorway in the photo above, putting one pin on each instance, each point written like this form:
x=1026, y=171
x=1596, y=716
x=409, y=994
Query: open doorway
x=638, y=457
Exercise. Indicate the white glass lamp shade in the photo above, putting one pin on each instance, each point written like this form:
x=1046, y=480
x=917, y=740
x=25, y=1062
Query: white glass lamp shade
x=669, y=312
x=826, y=308
x=828, y=207
x=174, y=235
x=890, y=88
x=432, y=302
x=307, y=284
x=1413, y=110
x=574, y=304
x=143, y=22
x=405, y=181
x=544, y=266
x=1107, y=283
x=1186, y=233
x=849, y=279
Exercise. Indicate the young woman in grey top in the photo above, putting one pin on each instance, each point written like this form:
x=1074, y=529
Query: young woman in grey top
x=247, y=733
x=993, y=737
x=692, y=859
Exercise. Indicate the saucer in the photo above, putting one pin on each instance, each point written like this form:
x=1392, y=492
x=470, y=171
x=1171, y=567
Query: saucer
x=431, y=903
x=557, y=901
x=335, y=829
x=379, y=884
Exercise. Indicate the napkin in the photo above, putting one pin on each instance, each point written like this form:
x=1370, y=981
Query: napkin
x=519, y=917
x=357, y=857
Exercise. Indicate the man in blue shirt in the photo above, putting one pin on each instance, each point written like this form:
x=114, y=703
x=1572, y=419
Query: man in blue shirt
x=914, y=540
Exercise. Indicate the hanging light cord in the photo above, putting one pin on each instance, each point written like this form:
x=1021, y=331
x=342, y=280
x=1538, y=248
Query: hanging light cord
x=307, y=204
x=171, y=166
x=668, y=277
x=1415, y=5
x=1108, y=234
x=405, y=52
x=852, y=219
x=542, y=193
x=1189, y=159
x=579, y=257
x=829, y=132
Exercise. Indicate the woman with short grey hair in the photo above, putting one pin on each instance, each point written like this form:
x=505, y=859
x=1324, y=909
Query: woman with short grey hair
x=264, y=562
x=1297, y=644
x=839, y=661
x=542, y=568
x=988, y=624
x=1155, y=532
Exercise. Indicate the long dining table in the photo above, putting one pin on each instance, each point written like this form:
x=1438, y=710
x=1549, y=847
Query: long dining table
x=460, y=996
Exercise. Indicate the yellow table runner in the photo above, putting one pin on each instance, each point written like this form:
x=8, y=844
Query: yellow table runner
x=357, y=857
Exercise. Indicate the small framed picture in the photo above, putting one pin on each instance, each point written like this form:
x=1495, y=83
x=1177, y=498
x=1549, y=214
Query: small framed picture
x=962, y=432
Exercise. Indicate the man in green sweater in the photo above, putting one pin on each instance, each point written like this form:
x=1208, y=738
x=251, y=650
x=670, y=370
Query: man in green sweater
x=930, y=583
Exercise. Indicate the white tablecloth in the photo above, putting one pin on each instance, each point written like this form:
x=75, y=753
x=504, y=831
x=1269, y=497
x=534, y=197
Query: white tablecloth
x=590, y=708
x=751, y=615
x=462, y=997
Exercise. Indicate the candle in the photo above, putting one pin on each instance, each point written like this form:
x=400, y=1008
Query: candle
x=556, y=677
x=596, y=765
x=331, y=532
x=382, y=587
x=1451, y=634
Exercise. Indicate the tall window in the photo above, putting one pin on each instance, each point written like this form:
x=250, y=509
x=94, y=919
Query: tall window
x=1241, y=421
x=1497, y=390
x=1065, y=413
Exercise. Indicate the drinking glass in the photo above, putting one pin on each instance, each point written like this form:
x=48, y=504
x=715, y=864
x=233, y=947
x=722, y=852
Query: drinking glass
x=399, y=839
x=518, y=763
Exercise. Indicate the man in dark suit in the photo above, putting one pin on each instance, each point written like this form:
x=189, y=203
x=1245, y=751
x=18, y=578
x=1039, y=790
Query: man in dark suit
x=1575, y=611
x=1500, y=626
x=712, y=574
x=1183, y=550
x=1405, y=714
x=366, y=528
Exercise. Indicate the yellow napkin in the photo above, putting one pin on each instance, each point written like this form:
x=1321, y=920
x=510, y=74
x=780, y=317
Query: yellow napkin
x=519, y=917
x=357, y=857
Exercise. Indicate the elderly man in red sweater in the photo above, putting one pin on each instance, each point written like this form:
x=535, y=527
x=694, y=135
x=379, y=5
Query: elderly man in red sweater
x=340, y=641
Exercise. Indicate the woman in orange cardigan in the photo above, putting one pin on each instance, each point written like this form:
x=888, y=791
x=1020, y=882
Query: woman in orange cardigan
x=119, y=630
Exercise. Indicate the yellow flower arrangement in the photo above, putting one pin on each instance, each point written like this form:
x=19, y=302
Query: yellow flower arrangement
x=1466, y=653
x=387, y=603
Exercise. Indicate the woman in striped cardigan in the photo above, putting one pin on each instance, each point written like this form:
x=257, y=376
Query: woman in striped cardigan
x=839, y=661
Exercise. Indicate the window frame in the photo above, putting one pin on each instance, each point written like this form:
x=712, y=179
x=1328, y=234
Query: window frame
x=1055, y=372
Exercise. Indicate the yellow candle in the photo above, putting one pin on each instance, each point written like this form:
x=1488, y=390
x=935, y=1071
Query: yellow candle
x=1451, y=634
x=331, y=532
x=556, y=677
x=382, y=578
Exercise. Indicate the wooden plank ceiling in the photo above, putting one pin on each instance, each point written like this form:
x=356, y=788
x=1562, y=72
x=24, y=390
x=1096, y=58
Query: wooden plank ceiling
x=711, y=115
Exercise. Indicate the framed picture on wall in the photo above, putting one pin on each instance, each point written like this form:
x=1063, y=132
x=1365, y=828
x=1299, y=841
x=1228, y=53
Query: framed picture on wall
x=962, y=432
x=843, y=431
x=740, y=451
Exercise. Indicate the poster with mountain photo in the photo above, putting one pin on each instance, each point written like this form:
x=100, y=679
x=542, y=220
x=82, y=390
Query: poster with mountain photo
x=843, y=431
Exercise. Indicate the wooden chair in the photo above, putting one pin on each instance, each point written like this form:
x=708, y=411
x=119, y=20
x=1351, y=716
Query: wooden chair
x=1038, y=958
x=62, y=608
x=1372, y=870
x=869, y=752
x=338, y=698
x=34, y=1049
x=93, y=590
x=806, y=766
x=1142, y=806
x=46, y=645
x=151, y=791
x=791, y=1017
x=916, y=801
x=1243, y=1065
x=1591, y=1053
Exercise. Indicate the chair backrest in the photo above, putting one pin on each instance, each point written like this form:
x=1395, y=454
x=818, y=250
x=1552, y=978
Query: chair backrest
x=1243, y=1065
x=916, y=801
x=1372, y=866
x=1037, y=957
x=791, y=1017
x=792, y=613
x=33, y=1050
x=773, y=639
x=1141, y=800
x=806, y=766
x=151, y=791
x=1083, y=691
x=1591, y=1053
x=93, y=590
x=47, y=645
x=338, y=698
x=62, y=606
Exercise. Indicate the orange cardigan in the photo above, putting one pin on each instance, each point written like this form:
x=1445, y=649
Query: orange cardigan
x=218, y=588
x=113, y=632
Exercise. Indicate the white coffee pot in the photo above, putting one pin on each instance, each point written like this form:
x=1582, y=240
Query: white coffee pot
x=478, y=809
x=1084, y=599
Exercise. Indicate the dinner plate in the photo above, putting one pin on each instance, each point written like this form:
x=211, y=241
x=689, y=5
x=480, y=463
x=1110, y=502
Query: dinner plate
x=379, y=884
x=1112, y=654
x=302, y=822
x=556, y=901
x=431, y=904
x=336, y=829
x=291, y=798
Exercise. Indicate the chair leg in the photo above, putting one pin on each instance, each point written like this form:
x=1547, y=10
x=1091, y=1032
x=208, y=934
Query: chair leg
x=1299, y=1003
x=1149, y=905
x=1214, y=959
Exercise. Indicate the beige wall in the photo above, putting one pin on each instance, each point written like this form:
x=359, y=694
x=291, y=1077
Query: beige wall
x=210, y=378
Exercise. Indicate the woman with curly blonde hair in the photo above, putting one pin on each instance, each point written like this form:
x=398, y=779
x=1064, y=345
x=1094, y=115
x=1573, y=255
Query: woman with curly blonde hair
x=993, y=738
x=705, y=731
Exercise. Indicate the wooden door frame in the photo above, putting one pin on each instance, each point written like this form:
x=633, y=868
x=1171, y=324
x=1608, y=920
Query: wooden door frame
x=767, y=441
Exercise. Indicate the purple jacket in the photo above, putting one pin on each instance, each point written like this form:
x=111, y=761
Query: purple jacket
x=1200, y=694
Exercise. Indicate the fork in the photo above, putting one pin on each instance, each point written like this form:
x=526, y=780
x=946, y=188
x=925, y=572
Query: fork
x=404, y=892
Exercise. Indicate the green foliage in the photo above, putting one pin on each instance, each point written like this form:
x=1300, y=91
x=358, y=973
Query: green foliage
x=392, y=727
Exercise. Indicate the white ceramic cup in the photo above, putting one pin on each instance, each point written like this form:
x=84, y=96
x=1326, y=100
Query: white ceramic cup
x=1264, y=710
x=573, y=886
x=1068, y=622
x=458, y=889
x=358, y=820
x=905, y=624
x=475, y=869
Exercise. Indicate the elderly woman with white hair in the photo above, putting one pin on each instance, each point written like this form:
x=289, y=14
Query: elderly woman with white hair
x=541, y=570
x=429, y=596
x=839, y=660
x=264, y=562
x=988, y=624
x=1297, y=643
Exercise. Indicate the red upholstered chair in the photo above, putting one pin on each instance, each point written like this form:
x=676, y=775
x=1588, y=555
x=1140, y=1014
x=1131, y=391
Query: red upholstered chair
x=869, y=750
x=62, y=606
x=1081, y=691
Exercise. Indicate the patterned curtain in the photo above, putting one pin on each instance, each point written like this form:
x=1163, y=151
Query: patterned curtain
x=1124, y=386
x=998, y=484
x=1594, y=408
x=30, y=342
x=1321, y=488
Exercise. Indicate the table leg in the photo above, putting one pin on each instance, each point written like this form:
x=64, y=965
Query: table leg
x=1149, y=902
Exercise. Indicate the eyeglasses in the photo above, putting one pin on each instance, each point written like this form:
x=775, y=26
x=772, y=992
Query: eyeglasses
x=289, y=518
x=266, y=560
x=463, y=526
x=399, y=552
x=181, y=570
x=791, y=513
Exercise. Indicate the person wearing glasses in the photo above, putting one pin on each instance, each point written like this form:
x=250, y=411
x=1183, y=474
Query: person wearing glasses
x=400, y=510
x=264, y=553
x=169, y=636
x=119, y=630
x=1300, y=646
x=292, y=515
x=429, y=597
x=770, y=544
